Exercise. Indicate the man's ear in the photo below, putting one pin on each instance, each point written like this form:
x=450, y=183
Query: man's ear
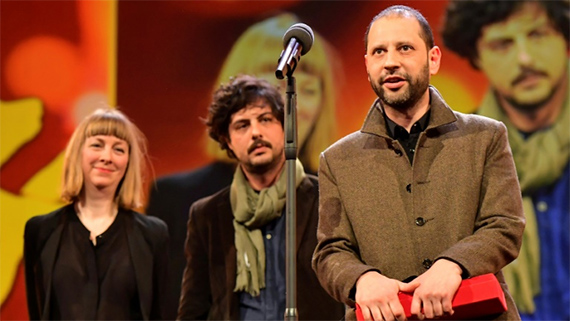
x=434, y=60
x=225, y=141
x=366, y=65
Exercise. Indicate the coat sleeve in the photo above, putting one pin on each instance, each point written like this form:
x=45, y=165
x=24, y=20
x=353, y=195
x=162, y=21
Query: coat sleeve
x=195, y=296
x=500, y=222
x=336, y=259
x=30, y=261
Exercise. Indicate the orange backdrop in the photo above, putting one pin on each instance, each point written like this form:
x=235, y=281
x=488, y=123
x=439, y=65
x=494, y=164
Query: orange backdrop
x=158, y=61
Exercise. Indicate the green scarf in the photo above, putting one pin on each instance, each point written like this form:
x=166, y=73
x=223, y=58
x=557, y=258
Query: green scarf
x=252, y=211
x=540, y=160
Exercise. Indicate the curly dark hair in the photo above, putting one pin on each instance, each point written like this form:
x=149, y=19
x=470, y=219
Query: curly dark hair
x=464, y=20
x=404, y=11
x=230, y=98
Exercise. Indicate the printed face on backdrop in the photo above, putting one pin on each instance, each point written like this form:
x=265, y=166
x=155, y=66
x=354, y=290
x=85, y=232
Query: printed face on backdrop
x=524, y=57
x=257, y=138
x=104, y=161
x=398, y=63
x=309, y=99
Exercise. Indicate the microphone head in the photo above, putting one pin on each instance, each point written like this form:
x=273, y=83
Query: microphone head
x=303, y=34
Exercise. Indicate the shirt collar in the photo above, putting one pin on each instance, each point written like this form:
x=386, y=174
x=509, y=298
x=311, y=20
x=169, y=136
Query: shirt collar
x=396, y=131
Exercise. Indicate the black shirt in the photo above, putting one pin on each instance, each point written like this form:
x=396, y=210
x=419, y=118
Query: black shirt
x=407, y=140
x=94, y=282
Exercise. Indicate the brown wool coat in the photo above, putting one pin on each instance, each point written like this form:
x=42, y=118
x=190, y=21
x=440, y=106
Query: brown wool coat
x=462, y=186
x=210, y=274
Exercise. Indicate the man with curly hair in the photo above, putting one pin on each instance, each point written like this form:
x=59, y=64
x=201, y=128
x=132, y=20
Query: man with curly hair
x=235, y=245
x=522, y=47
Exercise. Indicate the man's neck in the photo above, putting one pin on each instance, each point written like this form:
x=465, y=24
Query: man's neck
x=539, y=118
x=259, y=181
x=409, y=116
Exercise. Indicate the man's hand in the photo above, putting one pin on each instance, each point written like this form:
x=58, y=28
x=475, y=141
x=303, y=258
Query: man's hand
x=377, y=297
x=434, y=290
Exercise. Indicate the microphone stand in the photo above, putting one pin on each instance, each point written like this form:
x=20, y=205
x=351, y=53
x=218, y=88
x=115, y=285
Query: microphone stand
x=288, y=62
x=291, y=313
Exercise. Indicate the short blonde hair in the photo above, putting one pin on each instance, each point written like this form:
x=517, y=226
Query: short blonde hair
x=107, y=121
x=256, y=51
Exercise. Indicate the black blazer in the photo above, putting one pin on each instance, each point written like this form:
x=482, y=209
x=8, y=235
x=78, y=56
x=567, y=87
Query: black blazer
x=209, y=278
x=148, y=245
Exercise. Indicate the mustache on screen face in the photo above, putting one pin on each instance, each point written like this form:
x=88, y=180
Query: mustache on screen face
x=528, y=72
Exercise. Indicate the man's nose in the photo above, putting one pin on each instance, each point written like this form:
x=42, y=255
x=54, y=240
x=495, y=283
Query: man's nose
x=523, y=52
x=392, y=60
x=255, y=129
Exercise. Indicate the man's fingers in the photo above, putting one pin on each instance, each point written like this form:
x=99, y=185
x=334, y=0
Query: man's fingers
x=387, y=313
x=408, y=287
x=447, y=306
x=416, y=307
x=366, y=314
x=437, y=308
x=428, y=309
x=398, y=311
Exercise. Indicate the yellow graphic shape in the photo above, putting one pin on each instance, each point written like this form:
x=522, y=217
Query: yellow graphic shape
x=20, y=122
x=457, y=95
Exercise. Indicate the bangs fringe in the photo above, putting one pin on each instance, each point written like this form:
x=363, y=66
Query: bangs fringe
x=108, y=124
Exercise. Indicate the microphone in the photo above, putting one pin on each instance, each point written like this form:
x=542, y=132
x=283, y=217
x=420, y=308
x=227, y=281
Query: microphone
x=298, y=40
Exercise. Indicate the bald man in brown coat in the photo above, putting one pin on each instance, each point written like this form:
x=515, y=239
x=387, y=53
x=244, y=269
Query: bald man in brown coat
x=420, y=191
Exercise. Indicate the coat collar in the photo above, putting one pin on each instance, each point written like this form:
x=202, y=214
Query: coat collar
x=441, y=114
x=142, y=258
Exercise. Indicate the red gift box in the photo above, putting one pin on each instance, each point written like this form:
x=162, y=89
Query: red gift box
x=476, y=297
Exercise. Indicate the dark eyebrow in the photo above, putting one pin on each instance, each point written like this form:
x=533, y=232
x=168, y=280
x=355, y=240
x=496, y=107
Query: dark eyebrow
x=265, y=114
x=377, y=46
x=240, y=121
x=404, y=43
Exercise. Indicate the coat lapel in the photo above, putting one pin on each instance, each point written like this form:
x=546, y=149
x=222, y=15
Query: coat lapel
x=142, y=260
x=227, y=246
x=305, y=202
x=48, y=256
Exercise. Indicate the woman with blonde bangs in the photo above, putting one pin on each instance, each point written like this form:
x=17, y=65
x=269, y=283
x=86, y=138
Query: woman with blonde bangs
x=97, y=258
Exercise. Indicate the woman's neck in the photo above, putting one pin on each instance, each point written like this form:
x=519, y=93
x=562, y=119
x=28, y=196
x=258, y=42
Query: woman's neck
x=96, y=214
x=96, y=205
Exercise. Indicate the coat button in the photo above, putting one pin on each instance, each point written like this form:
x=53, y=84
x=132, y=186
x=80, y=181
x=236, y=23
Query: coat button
x=409, y=188
x=420, y=221
x=427, y=263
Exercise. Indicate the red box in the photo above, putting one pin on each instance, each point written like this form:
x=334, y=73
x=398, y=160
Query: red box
x=476, y=297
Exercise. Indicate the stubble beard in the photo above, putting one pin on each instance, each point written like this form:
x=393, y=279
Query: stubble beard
x=261, y=167
x=407, y=99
